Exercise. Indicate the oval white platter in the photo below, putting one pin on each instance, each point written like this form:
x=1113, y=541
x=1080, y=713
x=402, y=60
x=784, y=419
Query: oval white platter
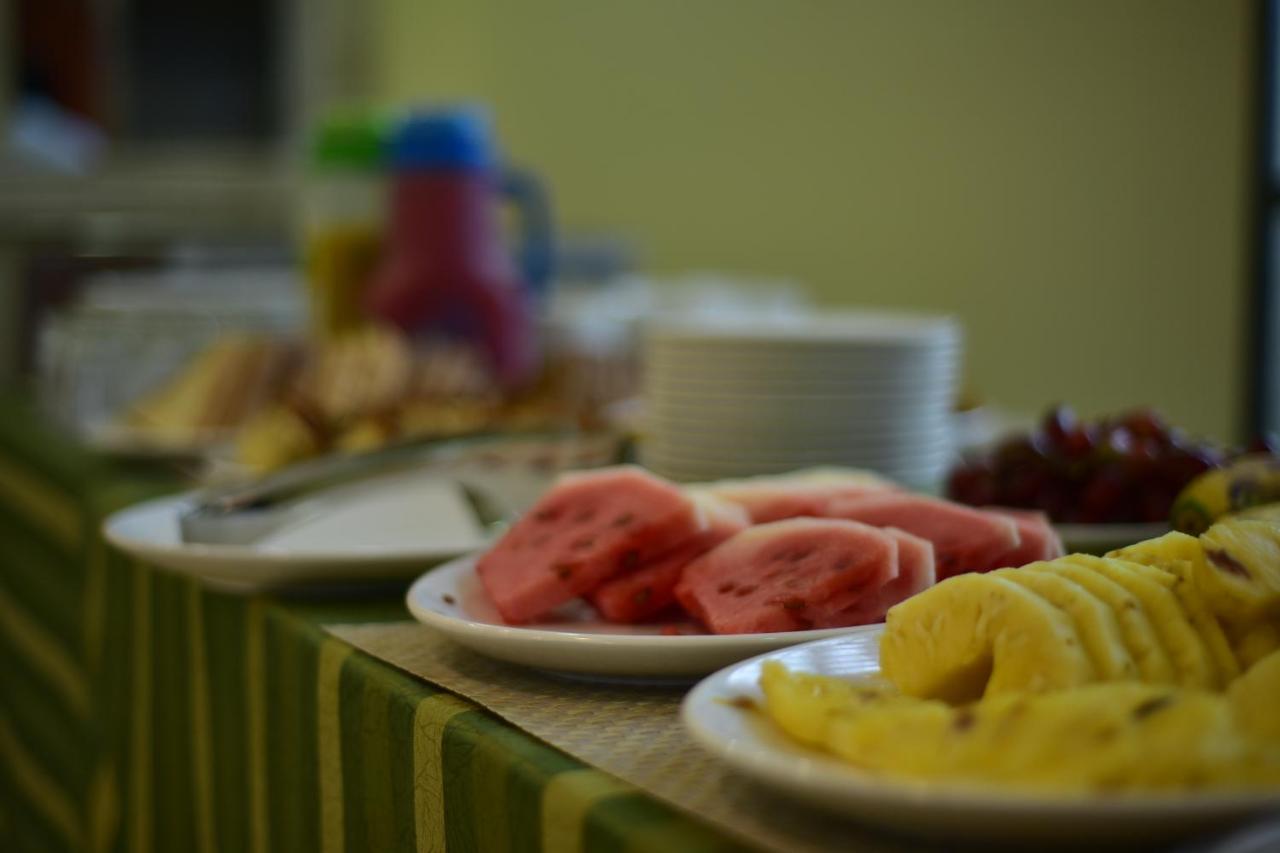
x=392, y=528
x=575, y=640
x=720, y=713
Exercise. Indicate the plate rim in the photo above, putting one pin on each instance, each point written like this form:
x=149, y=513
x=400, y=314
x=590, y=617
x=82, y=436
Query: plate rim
x=766, y=764
x=216, y=554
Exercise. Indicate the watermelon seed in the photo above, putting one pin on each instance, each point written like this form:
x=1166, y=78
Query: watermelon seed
x=743, y=591
x=797, y=556
x=623, y=520
x=582, y=543
x=793, y=604
x=630, y=559
x=642, y=595
x=842, y=564
x=584, y=516
x=564, y=571
x=547, y=515
x=448, y=599
x=792, y=583
x=726, y=587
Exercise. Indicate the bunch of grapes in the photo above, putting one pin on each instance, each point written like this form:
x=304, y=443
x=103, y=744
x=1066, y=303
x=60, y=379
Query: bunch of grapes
x=1113, y=470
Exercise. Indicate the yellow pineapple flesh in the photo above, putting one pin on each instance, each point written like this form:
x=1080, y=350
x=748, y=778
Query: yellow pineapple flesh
x=1095, y=738
x=1192, y=665
x=980, y=635
x=1140, y=638
x=1097, y=625
x=1240, y=576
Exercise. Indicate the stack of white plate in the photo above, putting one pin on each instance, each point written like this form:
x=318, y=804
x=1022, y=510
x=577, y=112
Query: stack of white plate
x=861, y=389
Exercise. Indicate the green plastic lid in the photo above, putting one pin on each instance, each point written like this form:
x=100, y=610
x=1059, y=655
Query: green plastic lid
x=350, y=143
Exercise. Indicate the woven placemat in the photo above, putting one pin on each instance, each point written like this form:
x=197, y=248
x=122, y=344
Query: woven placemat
x=632, y=731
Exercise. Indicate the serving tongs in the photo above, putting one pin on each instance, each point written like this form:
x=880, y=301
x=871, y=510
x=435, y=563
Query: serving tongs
x=244, y=514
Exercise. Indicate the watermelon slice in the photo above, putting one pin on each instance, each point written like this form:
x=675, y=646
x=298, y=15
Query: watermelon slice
x=915, y=574
x=800, y=493
x=964, y=539
x=1039, y=541
x=587, y=528
x=778, y=576
x=651, y=589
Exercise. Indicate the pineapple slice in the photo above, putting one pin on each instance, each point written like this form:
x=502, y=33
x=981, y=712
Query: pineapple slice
x=1240, y=576
x=1096, y=623
x=1088, y=739
x=1192, y=665
x=1163, y=551
x=803, y=704
x=1183, y=557
x=1140, y=638
x=916, y=740
x=1256, y=695
x=1262, y=512
x=1204, y=622
x=1100, y=737
x=980, y=635
x=1253, y=641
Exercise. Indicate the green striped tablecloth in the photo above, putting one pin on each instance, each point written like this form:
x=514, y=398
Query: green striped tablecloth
x=140, y=711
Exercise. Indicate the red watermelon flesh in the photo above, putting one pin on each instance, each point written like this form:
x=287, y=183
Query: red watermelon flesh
x=777, y=576
x=801, y=493
x=964, y=539
x=651, y=589
x=915, y=574
x=587, y=528
x=1039, y=541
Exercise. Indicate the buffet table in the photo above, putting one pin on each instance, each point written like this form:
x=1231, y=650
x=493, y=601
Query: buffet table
x=142, y=711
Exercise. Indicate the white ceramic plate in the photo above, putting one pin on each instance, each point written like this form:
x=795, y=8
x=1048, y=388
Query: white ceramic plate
x=395, y=529
x=816, y=378
x=784, y=444
x=832, y=327
x=451, y=600
x=797, y=418
x=718, y=717
x=776, y=459
x=926, y=478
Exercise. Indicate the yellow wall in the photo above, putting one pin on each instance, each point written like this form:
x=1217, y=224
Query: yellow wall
x=1068, y=176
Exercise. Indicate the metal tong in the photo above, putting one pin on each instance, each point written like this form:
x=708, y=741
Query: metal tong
x=243, y=514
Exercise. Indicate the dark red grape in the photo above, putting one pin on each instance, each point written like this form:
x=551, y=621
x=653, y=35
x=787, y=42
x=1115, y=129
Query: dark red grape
x=1105, y=496
x=1155, y=502
x=1022, y=487
x=1013, y=453
x=1266, y=442
x=1181, y=465
x=1145, y=423
x=1126, y=468
x=1116, y=443
x=972, y=484
x=1079, y=442
x=1058, y=421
